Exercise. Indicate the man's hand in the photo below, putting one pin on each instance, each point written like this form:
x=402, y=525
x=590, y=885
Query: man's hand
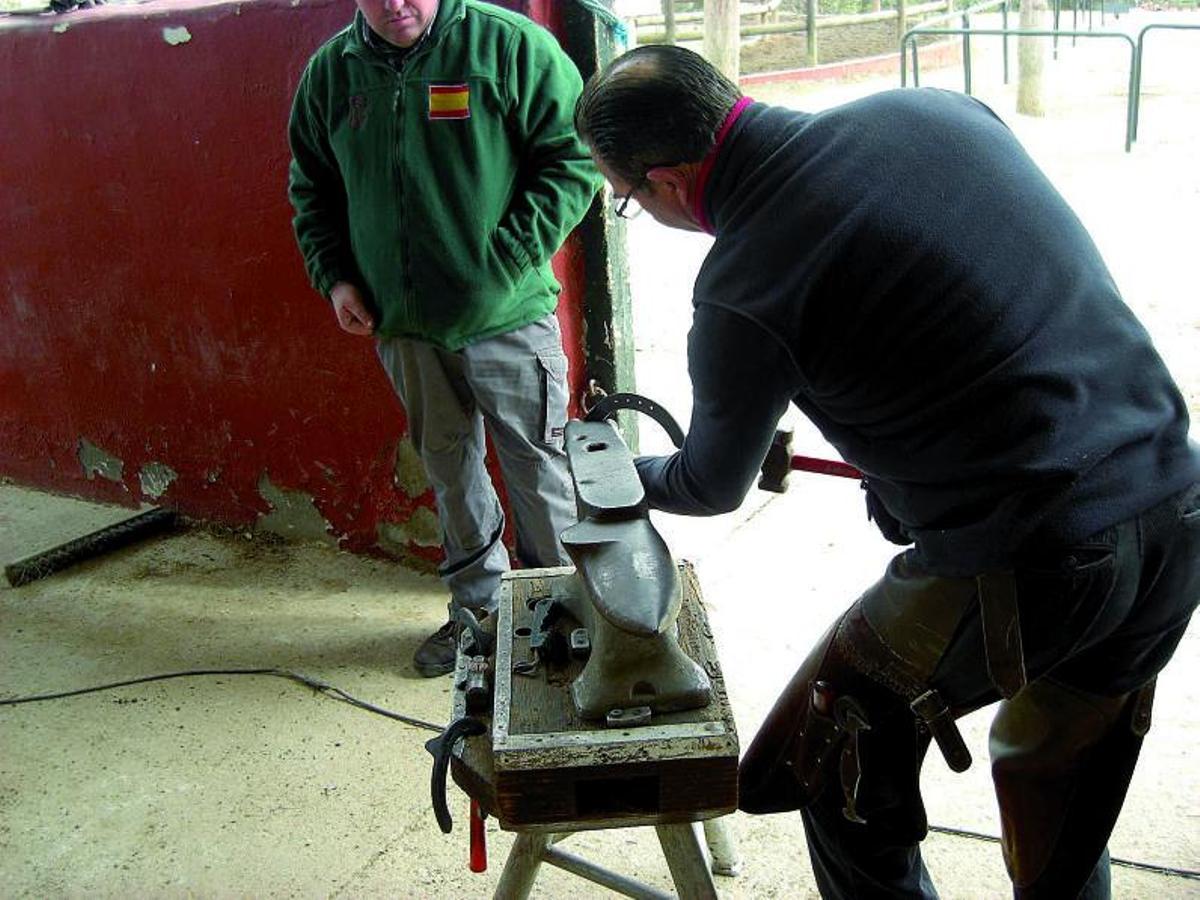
x=350, y=310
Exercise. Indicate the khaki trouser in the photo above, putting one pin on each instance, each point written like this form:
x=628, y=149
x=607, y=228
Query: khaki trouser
x=514, y=387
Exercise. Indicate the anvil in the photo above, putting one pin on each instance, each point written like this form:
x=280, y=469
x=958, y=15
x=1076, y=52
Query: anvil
x=625, y=589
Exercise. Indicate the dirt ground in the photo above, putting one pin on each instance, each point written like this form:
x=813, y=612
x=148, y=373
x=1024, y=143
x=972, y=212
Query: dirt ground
x=777, y=52
x=235, y=786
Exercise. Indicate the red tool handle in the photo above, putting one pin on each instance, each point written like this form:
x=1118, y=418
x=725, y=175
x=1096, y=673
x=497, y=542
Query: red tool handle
x=478, y=839
x=825, y=467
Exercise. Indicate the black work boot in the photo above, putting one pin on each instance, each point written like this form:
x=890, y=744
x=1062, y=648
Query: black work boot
x=435, y=656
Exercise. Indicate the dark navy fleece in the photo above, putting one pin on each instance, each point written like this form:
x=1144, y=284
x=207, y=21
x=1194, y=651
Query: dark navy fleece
x=900, y=269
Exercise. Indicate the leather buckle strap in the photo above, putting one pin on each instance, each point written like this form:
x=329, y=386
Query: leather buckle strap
x=1001, y=624
x=859, y=642
x=933, y=711
x=1143, y=703
x=851, y=720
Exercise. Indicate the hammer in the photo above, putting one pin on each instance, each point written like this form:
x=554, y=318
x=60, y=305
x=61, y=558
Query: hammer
x=780, y=461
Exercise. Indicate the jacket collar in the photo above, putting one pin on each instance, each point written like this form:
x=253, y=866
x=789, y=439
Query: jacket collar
x=449, y=14
x=700, y=204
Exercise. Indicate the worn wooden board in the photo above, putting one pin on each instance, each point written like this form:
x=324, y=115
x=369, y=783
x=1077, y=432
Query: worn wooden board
x=549, y=769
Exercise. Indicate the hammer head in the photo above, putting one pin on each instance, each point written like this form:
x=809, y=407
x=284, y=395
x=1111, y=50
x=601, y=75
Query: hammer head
x=777, y=464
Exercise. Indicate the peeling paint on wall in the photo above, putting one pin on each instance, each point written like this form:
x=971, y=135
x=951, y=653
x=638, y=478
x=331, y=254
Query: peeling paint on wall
x=408, y=473
x=173, y=389
x=98, y=462
x=176, y=36
x=155, y=478
x=421, y=529
x=293, y=515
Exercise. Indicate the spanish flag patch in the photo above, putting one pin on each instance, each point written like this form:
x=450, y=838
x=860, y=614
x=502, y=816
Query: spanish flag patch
x=449, y=101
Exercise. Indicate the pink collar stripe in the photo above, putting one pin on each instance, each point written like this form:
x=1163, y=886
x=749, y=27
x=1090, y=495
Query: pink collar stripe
x=698, y=205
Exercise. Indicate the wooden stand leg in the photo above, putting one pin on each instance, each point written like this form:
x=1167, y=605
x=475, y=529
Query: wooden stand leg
x=722, y=846
x=516, y=881
x=685, y=859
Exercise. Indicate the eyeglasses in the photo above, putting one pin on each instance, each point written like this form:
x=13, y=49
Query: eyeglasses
x=622, y=211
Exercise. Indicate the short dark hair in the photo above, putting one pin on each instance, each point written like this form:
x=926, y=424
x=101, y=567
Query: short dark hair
x=657, y=105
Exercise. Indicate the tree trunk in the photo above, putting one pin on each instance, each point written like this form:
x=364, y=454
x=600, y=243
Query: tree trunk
x=722, y=36
x=1031, y=58
x=668, y=8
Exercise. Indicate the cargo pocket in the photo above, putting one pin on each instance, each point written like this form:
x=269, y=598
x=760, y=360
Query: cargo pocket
x=553, y=365
x=1064, y=598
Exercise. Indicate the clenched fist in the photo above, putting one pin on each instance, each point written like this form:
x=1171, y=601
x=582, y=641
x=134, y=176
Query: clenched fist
x=351, y=311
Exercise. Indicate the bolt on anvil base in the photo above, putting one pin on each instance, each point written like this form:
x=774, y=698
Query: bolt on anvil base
x=541, y=765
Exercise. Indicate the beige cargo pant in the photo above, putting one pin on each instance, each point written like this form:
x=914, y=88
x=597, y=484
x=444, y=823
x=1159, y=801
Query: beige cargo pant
x=513, y=388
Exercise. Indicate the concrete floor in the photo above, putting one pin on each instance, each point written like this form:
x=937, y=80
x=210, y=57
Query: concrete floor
x=233, y=786
x=226, y=786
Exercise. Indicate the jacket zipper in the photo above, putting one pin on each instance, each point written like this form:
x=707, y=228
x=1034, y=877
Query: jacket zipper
x=407, y=307
x=397, y=169
x=402, y=253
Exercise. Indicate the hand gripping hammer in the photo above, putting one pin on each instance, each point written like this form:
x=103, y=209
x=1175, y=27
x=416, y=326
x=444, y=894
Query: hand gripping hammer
x=780, y=462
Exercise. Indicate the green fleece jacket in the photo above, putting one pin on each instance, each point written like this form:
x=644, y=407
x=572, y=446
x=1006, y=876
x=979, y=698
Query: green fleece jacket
x=441, y=188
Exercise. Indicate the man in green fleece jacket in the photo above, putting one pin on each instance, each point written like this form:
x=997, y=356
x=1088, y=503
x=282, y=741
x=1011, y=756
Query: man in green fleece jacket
x=435, y=171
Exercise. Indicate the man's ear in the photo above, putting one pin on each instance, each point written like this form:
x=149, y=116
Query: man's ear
x=673, y=177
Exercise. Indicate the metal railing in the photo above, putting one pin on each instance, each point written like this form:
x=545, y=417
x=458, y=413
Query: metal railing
x=1137, y=75
x=966, y=32
x=965, y=15
x=1075, y=18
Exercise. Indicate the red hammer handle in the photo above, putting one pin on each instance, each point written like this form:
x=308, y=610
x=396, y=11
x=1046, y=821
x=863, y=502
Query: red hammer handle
x=825, y=467
x=478, y=839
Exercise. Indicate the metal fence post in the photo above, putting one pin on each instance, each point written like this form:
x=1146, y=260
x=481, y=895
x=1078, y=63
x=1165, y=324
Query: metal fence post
x=1135, y=110
x=1134, y=56
x=966, y=20
x=1004, y=22
x=1057, y=13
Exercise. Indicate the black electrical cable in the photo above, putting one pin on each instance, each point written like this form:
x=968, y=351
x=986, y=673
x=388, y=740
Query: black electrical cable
x=320, y=686
x=1114, y=860
x=337, y=693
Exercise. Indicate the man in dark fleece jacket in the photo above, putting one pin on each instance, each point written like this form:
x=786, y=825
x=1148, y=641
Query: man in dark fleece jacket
x=899, y=269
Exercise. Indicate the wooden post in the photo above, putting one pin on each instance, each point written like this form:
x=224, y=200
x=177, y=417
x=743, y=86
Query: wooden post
x=1031, y=55
x=810, y=32
x=685, y=859
x=668, y=8
x=722, y=846
x=722, y=36
x=902, y=21
x=608, y=335
x=524, y=860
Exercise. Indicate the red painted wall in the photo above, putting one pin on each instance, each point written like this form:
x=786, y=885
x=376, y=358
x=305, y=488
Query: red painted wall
x=152, y=300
